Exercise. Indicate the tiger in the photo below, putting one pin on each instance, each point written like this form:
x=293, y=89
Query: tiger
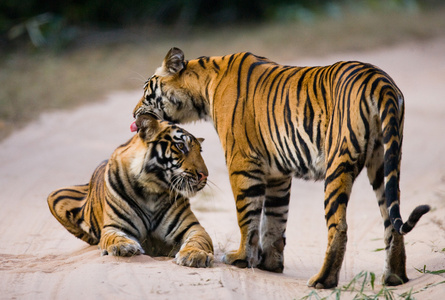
x=276, y=122
x=137, y=201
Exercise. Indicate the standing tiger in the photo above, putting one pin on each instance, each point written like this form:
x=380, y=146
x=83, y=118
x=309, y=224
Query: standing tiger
x=136, y=202
x=276, y=122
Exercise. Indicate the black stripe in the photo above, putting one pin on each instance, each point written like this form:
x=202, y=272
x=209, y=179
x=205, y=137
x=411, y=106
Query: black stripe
x=391, y=191
x=246, y=219
x=379, y=177
x=118, y=186
x=290, y=131
x=277, y=215
x=328, y=198
x=70, y=190
x=253, y=191
x=391, y=129
x=175, y=221
x=250, y=174
x=341, y=199
x=344, y=167
x=246, y=134
x=272, y=201
x=308, y=123
x=74, y=212
x=215, y=65
x=60, y=198
x=180, y=235
x=352, y=136
x=332, y=225
x=238, y=89
x=307, y=154
x=201, y=63
x=391, y=158
x=124, y=217
x=94, y=222
x=124, y=230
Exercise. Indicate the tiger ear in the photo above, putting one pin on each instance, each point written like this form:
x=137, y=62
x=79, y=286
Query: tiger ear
x=173, y=63
x=200, y=140
x=148, y=126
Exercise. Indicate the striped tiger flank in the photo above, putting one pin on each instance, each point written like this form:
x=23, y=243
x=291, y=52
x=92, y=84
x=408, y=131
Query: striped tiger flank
x=137, y=201
x=277, y=122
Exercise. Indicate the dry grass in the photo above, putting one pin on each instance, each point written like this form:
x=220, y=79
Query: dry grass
x=95, y=66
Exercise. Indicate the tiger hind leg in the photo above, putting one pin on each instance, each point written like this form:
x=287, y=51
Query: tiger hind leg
x=395, y=264
x=66, y=205
x=273, y=224
x=339, y=178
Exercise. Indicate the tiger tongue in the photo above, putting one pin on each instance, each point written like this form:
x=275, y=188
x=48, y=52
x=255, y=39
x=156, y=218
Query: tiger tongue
x=133, y=127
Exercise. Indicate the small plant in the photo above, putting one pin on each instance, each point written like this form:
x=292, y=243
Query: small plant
x=378, y=249
x=425, y=271
x=421, y=290
x=360, y=285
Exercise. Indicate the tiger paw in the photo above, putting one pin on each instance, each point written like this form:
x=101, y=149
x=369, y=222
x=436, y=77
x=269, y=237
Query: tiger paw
x=194, y=257
x=272, y=264
x=319, y=282
x=272, y=257
x=123, y=249
x=240, y=260
x=393, y=279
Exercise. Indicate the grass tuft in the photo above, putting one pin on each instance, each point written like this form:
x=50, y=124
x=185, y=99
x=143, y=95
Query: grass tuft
x=361, y=287
x=425, y=271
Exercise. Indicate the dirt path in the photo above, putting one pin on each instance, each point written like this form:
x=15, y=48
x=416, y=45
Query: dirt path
x=40, y=259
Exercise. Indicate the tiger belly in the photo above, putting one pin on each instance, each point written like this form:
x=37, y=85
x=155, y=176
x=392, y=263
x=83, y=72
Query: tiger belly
x=311, y=167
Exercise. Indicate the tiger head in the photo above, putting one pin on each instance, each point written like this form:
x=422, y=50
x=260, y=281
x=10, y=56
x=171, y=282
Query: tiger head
x=171, y=93
x=169, y=158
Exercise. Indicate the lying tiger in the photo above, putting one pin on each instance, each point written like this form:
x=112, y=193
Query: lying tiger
x=277, y=122
x=136, y=202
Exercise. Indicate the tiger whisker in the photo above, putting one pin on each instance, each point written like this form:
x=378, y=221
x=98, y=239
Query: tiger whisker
x=211, y=184
x=174, y=187
x=139, y=77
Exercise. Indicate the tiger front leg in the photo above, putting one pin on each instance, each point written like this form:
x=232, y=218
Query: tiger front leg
x=273, y=224
x=181, y=233
x=249, y=192
x=196, y=250
x=117, y=243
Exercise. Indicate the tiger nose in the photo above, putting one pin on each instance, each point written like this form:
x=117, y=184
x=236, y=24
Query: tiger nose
x=202, y=176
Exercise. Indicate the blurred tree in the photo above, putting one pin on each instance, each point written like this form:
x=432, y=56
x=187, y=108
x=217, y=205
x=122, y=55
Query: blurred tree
x=114, y=12
x=181, y=13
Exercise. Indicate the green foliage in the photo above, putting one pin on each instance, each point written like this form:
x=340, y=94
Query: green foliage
x=378, y=249
x=24, y=18
x=45, y=30
x=410, y=292
x=186, y=11
x=359, y=288
x=425, y=271
x=132, y=11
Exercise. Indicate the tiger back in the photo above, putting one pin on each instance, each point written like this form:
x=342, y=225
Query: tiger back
x=137, y=201
x=276, y=122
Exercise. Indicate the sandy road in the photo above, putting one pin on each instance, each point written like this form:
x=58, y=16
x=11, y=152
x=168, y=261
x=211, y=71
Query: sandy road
x=40, y=259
